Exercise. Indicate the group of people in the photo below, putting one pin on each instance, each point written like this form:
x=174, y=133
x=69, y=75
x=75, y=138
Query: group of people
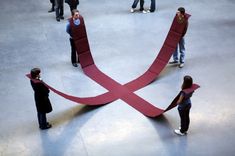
x=41, y=92
x=58, y=7
x=151, y=8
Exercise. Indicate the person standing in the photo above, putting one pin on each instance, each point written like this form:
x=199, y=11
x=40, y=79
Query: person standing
x=184, y=106
x=181, y=45
x=52, y=6
x=134, y=5
x=59, y=12
x=72, y=4
x=41, y=96
x=74, y=21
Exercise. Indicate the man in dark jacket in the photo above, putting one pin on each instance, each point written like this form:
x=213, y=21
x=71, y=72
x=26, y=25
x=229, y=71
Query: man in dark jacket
x=41, y=96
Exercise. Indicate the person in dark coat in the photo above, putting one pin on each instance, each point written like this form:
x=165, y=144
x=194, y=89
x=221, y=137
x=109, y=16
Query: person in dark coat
x=184, y=106
x=72, y=4
x=41, y=96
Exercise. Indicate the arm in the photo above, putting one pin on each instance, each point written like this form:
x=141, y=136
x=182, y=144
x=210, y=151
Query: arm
x=180, y=99
x=185, y=29
x=68, y=29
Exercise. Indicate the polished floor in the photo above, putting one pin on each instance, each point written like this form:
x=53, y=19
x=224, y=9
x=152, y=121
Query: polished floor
x=123, y=45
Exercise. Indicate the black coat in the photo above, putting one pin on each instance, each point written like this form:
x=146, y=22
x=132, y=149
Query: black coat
x=72, y=2
x=41, y=96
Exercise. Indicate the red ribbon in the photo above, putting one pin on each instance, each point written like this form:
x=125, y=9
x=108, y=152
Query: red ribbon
x=126, y=91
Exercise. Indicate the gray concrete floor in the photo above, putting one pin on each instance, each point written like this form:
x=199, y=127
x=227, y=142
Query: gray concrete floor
x=123, y=46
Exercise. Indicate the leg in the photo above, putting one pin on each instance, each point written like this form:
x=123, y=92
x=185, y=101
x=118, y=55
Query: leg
x=42, y=120
x=183, y=120
x=175, y=54
x=182, y=50
x=141, y=5
x=61, y=9
x=152, y=6
x=52, y=6
x=134, y=5
x=73, y=52
x=187, y=119
x=175, y=57
x=53, y=3
x=57, y=13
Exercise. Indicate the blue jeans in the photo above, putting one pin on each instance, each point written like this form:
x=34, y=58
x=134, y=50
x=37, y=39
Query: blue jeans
x=152, y=6
x=181, y=49
x=134, y=5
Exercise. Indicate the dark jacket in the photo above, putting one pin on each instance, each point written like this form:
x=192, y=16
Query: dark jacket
x=72, y=2
x=41, y=96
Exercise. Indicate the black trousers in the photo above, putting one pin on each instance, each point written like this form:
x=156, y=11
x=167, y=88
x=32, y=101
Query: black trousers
x=42, y=120
x=73, y=51
x=59, y=10
x=134, y=5
x=152, y=6
x=184, y=119
x=53, y=3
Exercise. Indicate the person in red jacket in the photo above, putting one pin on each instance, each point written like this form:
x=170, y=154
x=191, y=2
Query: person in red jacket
x=73, y=21
x=41, y=96
x=181, y=45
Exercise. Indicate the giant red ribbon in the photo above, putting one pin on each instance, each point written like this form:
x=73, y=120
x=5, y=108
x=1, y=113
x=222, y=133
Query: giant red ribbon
x=125, y=92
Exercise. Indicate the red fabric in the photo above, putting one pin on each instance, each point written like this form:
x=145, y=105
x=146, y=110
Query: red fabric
x=125, y=92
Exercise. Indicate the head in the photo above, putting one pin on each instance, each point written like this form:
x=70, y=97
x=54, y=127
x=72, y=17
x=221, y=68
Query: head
x=75, y=14
x=35, y=73
x=181, y=11
x=188, y=81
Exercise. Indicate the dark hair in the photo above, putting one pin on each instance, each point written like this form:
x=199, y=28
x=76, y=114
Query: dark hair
x=35, y=72
x=181, y=10
x=74, y=11
x=188, y=81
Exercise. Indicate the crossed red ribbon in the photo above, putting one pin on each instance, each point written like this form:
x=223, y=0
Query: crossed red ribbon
x=126, y=91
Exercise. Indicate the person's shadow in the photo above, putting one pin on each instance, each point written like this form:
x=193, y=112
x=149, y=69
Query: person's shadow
x=58, y=141
x=173, y=143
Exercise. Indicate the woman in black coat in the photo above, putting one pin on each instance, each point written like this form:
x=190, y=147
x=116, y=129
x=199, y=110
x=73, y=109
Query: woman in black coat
x=41, y=96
